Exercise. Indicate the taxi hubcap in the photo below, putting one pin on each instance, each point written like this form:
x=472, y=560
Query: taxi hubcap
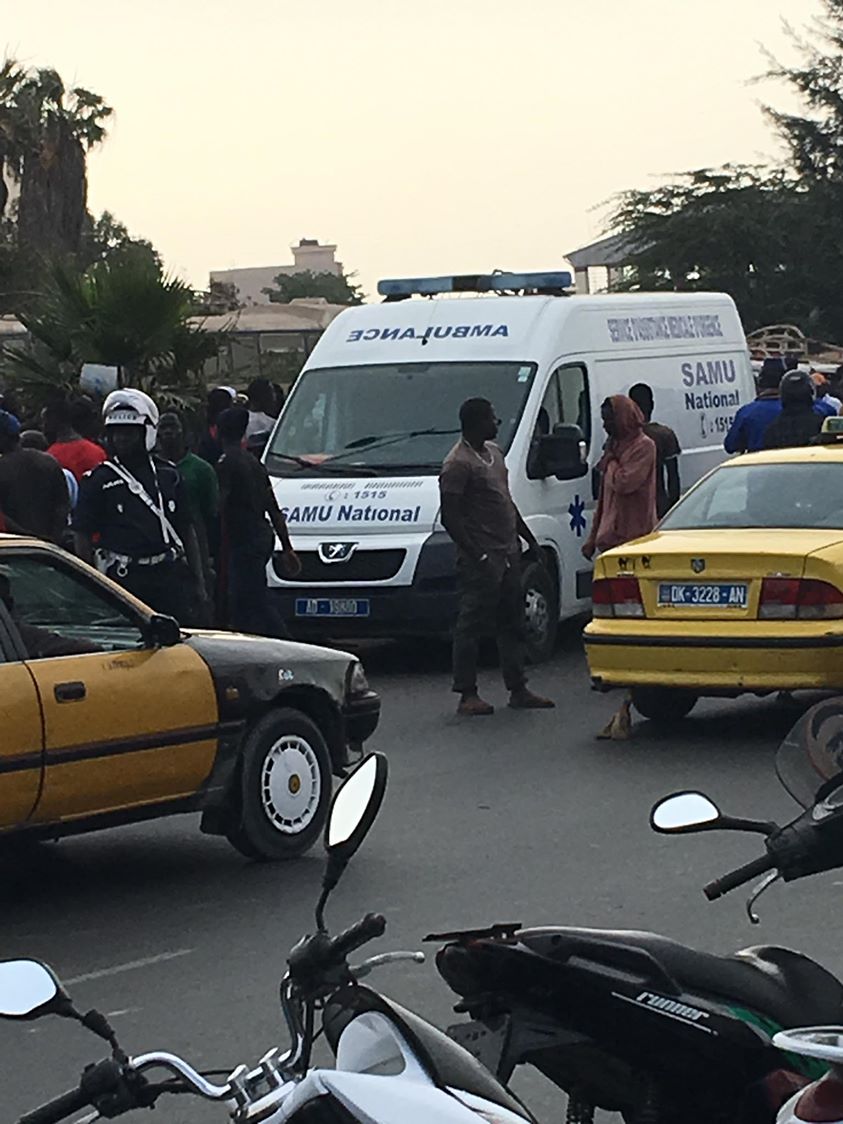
x=290, y=784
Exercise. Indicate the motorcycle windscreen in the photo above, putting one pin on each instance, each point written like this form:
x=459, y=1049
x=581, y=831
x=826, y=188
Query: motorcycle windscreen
x=812, y=752
x=371, y=1043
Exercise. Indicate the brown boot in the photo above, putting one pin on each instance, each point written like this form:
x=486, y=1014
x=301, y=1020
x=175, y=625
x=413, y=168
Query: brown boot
x=474, y=707
x=524, y=699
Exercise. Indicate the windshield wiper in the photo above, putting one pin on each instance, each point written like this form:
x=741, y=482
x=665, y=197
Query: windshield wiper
x=323, y=466
x=381, y=440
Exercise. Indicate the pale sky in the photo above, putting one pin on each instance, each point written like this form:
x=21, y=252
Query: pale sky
x=422, y=136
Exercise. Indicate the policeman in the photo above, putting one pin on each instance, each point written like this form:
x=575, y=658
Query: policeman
x=131, y=521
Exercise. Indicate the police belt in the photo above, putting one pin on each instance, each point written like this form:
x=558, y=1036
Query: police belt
x=106, y=559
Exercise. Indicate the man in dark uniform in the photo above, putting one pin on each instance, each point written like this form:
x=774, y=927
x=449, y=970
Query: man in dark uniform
x=131, y=520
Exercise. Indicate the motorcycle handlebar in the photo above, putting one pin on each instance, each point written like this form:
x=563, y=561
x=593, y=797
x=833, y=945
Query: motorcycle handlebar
x=54, y=1111
x=731, y=881
x=355, y=936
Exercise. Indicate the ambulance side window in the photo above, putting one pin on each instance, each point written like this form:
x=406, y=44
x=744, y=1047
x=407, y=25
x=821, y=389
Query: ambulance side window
x=574, y=402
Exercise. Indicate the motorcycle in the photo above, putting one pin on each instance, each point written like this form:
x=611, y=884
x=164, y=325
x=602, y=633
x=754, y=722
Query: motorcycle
x=391, y=1066
x=639, y=1024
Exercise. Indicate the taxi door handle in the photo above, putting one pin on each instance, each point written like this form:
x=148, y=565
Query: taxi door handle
x=69, y=692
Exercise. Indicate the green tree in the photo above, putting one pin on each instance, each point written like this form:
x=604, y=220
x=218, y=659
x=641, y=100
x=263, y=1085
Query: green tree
x=123, y=312
x=105, y=238
x=335, y=288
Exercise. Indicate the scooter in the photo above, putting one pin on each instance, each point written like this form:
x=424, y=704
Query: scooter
x=391, y=1066
x=639, y=1024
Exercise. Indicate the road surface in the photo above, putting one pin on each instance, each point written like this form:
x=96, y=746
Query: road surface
x=519, y=817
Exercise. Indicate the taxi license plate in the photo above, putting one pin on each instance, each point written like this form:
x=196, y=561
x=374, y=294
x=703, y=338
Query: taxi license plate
x=704, y=595
x=332, y=607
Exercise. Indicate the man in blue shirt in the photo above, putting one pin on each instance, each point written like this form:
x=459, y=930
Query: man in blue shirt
x=747, y=431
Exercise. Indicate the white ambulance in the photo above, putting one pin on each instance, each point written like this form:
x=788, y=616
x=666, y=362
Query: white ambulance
x=357, y=450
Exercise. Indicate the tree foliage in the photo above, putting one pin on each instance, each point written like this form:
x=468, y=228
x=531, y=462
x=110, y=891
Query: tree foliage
x=122, y=311
x=335, y=288
x=771, y=237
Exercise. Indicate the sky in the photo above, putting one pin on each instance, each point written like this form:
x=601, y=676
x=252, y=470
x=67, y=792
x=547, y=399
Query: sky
x=422, y=136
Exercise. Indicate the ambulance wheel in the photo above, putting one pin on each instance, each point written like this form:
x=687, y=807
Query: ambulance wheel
x=663, y=704
x=541, y=606
x=285, y=787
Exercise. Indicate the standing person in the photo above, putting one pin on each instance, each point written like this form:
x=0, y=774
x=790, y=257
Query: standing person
x=219, y=399
x=825, y=399
x=33, y=494
x=262, y=409
x=73, y=451
x=746, y=434
x=626, y=507
x=798, y=423
x=479, y=514
x=250, y=519
x=133, y=503
x=35, y=439
x=667, y=450
x=200, y=485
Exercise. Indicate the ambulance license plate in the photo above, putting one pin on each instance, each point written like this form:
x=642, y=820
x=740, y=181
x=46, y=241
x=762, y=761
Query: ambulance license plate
x=332, y=607
x=704, y=595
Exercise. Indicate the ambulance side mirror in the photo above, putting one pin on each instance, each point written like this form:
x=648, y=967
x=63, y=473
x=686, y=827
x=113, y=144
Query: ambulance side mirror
x=563, y=454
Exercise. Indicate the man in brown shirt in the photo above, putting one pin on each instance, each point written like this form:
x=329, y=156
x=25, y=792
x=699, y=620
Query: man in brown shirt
x=480, y=516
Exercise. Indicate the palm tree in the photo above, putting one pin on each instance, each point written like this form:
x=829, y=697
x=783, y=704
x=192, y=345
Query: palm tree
x=123, y=312
x=54, y=129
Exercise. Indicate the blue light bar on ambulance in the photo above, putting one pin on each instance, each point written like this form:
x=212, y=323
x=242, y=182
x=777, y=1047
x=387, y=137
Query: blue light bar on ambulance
x=555, y=281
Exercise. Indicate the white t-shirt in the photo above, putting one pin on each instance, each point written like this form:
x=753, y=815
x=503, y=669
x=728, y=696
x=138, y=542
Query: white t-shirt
x=259, y=423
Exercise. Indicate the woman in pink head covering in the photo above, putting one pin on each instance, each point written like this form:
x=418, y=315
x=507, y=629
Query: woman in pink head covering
x=626, y=508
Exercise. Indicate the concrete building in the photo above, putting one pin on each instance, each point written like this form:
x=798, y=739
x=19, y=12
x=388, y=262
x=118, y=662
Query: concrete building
x=250, y=282
x=599, y=266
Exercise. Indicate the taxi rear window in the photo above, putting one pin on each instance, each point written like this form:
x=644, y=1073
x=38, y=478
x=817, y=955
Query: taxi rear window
x=806, y=496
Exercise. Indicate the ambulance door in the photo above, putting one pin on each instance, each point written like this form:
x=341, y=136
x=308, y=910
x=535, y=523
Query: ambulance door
x=570, y=502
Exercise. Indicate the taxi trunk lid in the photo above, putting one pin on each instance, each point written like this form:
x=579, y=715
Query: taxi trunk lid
x=712, y=575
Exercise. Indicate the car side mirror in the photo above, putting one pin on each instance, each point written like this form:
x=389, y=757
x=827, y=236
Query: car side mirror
x=163, y=631
x=29, y=989
x=563, y=453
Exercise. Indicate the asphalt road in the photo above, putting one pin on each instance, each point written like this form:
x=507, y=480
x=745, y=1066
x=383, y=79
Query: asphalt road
x=519, y=817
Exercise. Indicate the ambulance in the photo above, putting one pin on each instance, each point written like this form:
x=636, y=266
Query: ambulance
x=357, y=450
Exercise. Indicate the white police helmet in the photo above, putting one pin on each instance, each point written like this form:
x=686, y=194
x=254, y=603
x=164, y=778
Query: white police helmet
x=132, y=407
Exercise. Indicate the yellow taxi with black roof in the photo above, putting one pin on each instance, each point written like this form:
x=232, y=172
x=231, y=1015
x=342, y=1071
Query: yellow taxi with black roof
x=738, y=590
x=112, y=714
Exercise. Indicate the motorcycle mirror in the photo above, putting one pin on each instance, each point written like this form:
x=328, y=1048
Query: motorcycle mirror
x=355, y=806
x=29, y=989
x=353, y=811
x=684, y=811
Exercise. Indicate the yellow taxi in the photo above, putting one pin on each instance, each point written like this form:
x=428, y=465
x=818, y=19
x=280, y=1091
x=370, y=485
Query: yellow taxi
x=739, y=589
x=111, y=714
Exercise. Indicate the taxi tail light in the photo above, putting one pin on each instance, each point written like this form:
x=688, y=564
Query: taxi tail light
x=802, y=599
x=616, y=597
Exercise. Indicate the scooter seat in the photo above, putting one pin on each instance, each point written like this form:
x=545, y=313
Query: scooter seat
x=786, y=986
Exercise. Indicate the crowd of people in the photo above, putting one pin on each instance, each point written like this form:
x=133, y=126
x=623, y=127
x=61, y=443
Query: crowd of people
x=790, y=408
x=188, y=533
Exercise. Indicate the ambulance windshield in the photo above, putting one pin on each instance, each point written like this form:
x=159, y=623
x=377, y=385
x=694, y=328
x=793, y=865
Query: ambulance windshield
x=389, y=417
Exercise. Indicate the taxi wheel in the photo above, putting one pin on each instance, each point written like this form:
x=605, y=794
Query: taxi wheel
x=663, y=704
x=285, y=790
x=541, y=608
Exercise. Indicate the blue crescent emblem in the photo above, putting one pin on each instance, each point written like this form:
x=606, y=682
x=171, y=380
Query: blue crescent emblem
x=576, y=511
